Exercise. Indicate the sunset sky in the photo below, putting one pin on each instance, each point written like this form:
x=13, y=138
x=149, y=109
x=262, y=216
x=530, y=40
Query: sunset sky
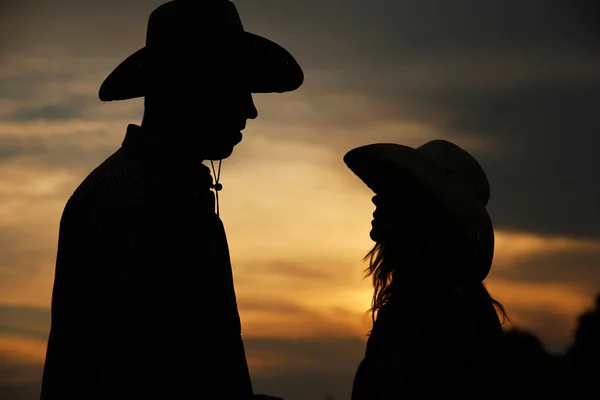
x=516, y=83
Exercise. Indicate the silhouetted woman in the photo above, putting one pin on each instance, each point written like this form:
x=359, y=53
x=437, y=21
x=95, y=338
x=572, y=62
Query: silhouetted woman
x=435, y=326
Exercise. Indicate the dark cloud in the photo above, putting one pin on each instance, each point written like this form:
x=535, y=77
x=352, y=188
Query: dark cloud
x=278, y=306
x=295, y=270
x=26, y=322
x=20, y=391
x=576, y=268
x=29, y=97
x=93, y=27
x=43, y=112
x=333, y=33
x=20, y=259
x=544, y=174
x=70, y=151
x=329, y=33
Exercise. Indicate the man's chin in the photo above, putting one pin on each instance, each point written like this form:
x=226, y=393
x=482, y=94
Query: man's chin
x=220, y=154
x=222, y=151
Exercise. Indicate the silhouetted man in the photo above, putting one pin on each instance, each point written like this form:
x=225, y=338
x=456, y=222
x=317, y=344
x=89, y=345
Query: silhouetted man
x=143, y=305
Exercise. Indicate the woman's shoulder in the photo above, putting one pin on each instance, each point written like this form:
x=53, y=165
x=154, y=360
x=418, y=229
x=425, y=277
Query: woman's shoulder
x=474, y=321
x=469, y=297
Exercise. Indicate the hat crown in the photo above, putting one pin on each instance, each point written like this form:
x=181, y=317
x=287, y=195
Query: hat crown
x=190, y=20
x=454, y=160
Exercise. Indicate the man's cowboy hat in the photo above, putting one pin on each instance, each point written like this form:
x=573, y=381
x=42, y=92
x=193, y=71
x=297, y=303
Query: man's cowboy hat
x=448, y=173
x=200, y=40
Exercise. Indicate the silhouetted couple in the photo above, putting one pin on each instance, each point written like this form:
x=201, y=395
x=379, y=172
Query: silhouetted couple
x=144, y=305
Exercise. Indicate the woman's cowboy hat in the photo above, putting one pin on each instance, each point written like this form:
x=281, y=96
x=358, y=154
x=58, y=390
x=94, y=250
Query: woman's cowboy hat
x=451, y=175
x=198, y=41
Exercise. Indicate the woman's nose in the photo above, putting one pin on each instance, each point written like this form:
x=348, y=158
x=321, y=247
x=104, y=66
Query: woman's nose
x=252, y=111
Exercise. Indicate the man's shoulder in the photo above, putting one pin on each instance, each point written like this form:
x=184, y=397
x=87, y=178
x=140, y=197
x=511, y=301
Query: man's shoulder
x=118, y=182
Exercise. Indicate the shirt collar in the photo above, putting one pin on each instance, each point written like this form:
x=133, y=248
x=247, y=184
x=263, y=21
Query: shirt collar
x=167, y=157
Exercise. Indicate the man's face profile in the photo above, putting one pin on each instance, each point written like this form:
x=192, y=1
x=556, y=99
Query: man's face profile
x=214, y=116
x=226, y=109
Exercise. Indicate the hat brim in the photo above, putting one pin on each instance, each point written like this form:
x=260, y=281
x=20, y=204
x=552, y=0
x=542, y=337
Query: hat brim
x=383, y=166
x=269, y=68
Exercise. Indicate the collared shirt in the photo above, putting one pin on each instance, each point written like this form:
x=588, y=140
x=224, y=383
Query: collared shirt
x=171, y=167
x=144, y=304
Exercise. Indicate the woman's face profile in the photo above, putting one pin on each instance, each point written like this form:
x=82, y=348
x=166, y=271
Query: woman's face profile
x=399, y=215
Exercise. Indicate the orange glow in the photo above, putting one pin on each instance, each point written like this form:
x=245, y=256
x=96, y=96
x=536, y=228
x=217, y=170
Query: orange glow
x=22, y=350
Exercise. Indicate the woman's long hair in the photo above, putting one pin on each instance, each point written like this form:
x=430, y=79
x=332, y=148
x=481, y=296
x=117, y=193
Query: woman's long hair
x=385, y=261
